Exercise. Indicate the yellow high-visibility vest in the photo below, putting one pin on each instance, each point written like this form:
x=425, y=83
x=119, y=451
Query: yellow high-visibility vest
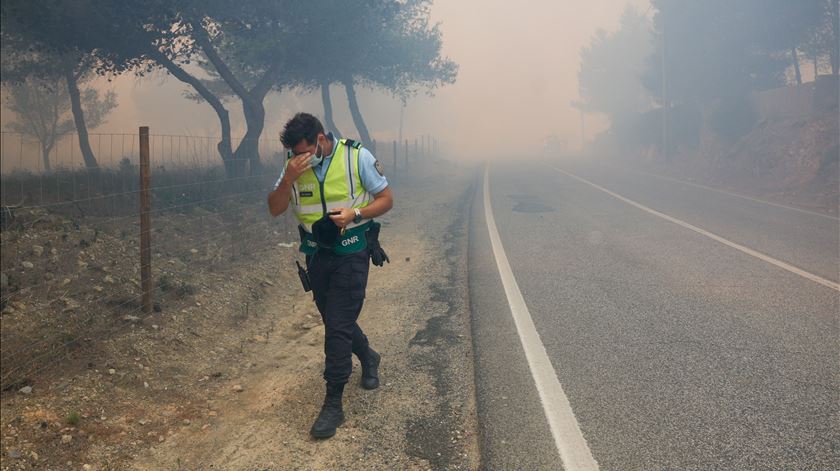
x=342, y=188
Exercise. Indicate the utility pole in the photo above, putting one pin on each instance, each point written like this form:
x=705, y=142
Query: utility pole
x=664, y=97
x=580, y=106
x=402, y=112
x=582, y=130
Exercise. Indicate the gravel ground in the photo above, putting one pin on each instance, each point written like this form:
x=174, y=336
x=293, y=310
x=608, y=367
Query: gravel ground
x=229, y=377
x=416, y=315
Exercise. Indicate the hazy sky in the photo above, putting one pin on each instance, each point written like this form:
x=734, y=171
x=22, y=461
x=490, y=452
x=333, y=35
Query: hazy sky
x=519, y=63
x=518, y=72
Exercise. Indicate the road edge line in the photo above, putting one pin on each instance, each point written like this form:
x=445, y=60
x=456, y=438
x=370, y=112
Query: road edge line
x=738, y=195
x=778, y=263
x=571, y=445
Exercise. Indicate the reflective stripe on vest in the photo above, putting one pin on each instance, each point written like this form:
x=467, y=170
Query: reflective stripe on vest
x=342, y=188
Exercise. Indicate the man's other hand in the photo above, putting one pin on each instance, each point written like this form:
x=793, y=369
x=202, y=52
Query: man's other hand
x=343, y=217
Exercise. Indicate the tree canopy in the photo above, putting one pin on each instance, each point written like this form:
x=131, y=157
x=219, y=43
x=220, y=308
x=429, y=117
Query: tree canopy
x=249, y=47
x=612, y=65
x=719, y=49
x=698, y=62
x=42, y=105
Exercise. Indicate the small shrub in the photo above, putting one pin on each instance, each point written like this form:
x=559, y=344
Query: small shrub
x=733, y=118
x=165, y=283
x=73, y=418
x=185, y=289
x=126, y=166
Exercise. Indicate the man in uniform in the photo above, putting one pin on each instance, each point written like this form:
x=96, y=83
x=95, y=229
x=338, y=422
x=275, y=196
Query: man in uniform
x=335, y=187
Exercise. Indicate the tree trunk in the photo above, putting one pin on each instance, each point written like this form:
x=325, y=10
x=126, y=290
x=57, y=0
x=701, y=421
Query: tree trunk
x=795, y=58
x=252, y=102
x=45, y=154
x=79, y=118
x=249, y=149
x=224, y=146
x=328, y=110
x=357, y=115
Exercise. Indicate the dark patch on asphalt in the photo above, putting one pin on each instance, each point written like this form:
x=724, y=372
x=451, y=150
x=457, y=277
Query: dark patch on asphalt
x=532, y=207
x=529, y=204
x=430, y=437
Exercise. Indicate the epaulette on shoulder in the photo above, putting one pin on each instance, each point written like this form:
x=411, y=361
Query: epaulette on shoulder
x=352, y=143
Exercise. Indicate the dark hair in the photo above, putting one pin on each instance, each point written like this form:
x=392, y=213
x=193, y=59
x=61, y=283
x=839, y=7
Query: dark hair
x=302, y=126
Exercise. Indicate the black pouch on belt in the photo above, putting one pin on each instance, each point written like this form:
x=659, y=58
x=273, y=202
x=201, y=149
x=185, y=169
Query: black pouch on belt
x=304, y=277
x=325, y=232
x=377, y=255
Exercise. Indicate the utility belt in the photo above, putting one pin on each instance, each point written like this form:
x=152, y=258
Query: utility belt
x=348, y=242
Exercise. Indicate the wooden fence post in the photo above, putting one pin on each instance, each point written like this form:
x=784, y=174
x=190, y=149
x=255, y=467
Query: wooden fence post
x=145, y=222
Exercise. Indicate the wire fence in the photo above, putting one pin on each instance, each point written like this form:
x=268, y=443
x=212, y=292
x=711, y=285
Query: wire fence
x=25, y=155
x=70, y=236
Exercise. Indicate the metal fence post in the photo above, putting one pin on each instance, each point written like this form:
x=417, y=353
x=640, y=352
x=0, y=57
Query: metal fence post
x=145, y=222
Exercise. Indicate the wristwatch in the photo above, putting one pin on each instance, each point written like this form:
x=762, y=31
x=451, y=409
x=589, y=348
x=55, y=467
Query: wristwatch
x=358, y=217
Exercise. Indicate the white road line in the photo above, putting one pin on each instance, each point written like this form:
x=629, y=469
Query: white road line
x=737, y=195
x=746, y=250
x=572, y=447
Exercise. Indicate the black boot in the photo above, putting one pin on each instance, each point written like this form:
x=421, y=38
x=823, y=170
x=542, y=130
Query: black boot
x=331, y=416
x=370, y=368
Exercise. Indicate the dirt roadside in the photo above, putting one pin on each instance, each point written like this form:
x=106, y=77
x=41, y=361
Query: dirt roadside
x=238, y=386
x=416, y=315
x=423, y=416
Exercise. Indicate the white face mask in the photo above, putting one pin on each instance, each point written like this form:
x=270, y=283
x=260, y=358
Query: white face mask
x=317, y=157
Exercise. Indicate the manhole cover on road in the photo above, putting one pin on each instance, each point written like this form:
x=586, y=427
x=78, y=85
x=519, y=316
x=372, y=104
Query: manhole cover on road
x=531, y=207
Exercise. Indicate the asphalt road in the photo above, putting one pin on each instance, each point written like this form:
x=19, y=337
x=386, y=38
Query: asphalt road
x=674, y=350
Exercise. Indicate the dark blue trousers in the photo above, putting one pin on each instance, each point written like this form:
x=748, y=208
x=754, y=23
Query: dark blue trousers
x=338, y=284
